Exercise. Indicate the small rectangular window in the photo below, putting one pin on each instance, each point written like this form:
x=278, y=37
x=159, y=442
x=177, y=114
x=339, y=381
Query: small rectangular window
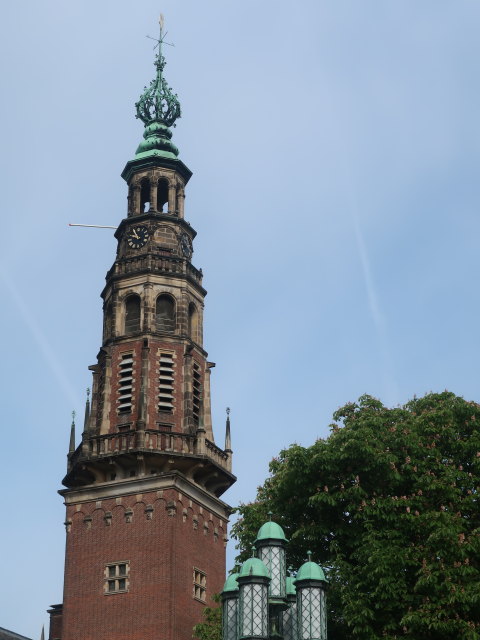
x=199, y=585
x=117, y=577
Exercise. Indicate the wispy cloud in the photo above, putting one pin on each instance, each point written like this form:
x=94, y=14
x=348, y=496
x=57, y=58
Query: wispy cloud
x=40, y=340
x=378, y=317
x=373, y=297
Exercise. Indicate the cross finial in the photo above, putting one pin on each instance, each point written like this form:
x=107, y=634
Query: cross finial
x=74, y=413
x=88, y=392
x=161, y=38
x=228, y=411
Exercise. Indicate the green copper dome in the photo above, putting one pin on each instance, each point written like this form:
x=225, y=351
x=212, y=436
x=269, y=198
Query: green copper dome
x=231, y=584
x=310, y=571
x=270, y=530
x=158, y=108
x=253, y=567
x=290, y=586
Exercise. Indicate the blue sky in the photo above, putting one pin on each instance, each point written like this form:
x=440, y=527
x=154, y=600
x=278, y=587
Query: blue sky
x=335, y=150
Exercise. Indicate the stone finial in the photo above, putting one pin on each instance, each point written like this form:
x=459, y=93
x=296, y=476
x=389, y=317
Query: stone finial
x=71, y=447
x=228, y=439
x=87, y=411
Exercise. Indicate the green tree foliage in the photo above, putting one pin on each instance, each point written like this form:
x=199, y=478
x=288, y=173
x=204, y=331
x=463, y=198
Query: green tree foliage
x=389, y=503
x=211, y=627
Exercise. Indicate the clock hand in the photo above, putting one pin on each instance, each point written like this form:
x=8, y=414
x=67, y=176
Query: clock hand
x=135, y=234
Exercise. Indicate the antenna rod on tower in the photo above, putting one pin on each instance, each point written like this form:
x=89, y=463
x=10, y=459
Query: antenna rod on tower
x=95, y=226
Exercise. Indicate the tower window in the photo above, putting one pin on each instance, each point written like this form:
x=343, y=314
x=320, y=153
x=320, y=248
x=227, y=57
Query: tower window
x=162, y=196
x=132, y=314
x=145, y=195
x=130, y=199
x=107, y=322
x=165, y=314
x=165, y=383
x=199, y=584
x=116, y=577
x=197, y=392
x=125, y=384
x=193, y=322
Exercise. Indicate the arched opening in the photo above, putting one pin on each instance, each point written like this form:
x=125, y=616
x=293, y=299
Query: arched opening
x=193, y=322
x=162, y=196
x=130, y=200
x=145, y=195
x=132, y=314
x=107, y=322
x=165, y=313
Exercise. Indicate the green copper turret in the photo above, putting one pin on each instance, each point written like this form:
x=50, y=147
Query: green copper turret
x=158, y=108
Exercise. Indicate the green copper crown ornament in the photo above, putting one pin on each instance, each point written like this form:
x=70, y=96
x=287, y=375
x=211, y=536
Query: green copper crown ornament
x=158, y=108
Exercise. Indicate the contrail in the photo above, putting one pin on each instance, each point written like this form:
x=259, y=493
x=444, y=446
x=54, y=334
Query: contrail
x=41, y=341
x=375, y=309
x=374, y=305
x=377, y=315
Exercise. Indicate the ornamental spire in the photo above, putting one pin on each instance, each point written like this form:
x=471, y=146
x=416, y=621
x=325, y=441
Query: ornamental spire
x=158, y=108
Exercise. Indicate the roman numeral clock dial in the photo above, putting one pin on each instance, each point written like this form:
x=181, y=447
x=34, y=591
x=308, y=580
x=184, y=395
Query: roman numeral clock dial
x=137, y=237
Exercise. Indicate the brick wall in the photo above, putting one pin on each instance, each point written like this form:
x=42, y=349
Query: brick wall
x=162, y=547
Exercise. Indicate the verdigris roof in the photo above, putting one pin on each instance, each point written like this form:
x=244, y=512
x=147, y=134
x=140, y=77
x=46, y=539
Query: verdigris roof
x=254, y=567
x=290, y=586
x=231, y=584
x=310, y=571
x=270, y=530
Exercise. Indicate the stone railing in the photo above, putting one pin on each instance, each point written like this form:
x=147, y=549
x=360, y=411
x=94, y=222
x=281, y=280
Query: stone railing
x=151, y=440
x=156, y=264
x=217, y=454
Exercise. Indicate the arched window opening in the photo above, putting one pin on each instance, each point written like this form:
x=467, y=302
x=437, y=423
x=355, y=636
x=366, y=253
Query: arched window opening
x=107, y=322
x=193, y=322
x=162, y=196
x=130, y=199
x=165, y=313
x=145, y=195
x=132, y=314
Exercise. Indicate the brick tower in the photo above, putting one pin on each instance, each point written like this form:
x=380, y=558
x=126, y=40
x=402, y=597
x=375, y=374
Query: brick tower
x=146, y=529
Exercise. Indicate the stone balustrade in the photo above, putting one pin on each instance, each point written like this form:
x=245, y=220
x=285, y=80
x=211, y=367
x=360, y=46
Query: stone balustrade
x=111, y=444
x=155, y=264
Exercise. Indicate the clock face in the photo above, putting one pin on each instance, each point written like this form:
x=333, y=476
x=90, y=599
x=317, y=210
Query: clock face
x=137, y=236
x=186, y=245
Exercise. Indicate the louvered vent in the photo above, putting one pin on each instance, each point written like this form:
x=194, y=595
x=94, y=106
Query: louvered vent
x=126, y=384
x=165, y=383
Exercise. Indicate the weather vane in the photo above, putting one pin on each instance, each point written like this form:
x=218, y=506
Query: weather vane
x=161, y=39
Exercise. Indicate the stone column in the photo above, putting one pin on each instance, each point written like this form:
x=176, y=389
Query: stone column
x=207, y=406
x=181, y=202
x=153, y=194
x=92, y=422
x=136, y=199
x=172, y=192
x=148, y=308
x=107, y=396
x=142, y=401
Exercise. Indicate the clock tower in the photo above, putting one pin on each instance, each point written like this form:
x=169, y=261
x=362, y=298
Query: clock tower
x=145, y=524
